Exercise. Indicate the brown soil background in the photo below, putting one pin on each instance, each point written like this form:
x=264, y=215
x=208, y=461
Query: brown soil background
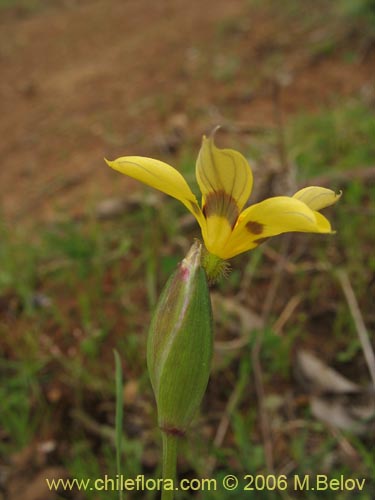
x=82, y=80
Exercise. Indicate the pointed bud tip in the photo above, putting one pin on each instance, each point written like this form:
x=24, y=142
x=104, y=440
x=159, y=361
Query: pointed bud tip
x=192, y=261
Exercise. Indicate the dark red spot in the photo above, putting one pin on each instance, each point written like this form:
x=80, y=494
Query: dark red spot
x=173, y=431
x=185, y=272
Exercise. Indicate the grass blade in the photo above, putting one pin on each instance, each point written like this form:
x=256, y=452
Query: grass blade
x=119, y=415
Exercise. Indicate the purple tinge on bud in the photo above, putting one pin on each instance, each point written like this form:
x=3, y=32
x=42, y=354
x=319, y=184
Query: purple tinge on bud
x=180, y=344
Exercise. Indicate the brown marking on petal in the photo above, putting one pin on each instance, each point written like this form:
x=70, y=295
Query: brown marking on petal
x=259, y=241
x=254, y=227
x=222, y=204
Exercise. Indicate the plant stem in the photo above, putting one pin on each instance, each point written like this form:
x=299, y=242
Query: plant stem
x=169, y=462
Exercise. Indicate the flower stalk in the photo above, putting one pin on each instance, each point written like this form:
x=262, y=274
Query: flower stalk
x=179, y=353
x=170, y=445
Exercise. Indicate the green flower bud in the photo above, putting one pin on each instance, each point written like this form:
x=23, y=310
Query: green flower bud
x=180, y=344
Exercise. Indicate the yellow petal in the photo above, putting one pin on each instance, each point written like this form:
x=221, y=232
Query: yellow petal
x=270, y=217
x=225, y=180
x=161, y=176
x=317, y=197
x=216, y=234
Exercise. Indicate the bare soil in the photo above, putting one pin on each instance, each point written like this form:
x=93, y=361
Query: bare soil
x=81, y=80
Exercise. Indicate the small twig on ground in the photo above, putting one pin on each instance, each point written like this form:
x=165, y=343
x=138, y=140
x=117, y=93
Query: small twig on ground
x=344, y=444
x=276, y=257
x=280, y=267
x=259, y=387
x=255, y=356
x=104, y=431
x=292, y=268
x=358, y=321
x=287, y=312
x=223, y=426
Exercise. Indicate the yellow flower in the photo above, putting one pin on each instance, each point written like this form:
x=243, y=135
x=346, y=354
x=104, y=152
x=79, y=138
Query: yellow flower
x=225, y=180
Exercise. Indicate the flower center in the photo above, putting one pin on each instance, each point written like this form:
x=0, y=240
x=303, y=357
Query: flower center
x=222, y=204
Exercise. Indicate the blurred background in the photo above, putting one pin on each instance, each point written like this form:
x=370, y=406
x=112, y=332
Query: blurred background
x=84, y=251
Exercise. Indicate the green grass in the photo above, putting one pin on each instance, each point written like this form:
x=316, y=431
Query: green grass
x=20, y=395
x=340, y=138
x=360, y=13
x=26, y=6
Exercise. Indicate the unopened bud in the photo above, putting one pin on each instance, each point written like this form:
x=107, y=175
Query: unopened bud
x=180, y=344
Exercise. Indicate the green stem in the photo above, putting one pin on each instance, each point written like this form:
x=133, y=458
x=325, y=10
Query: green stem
x=169, y=462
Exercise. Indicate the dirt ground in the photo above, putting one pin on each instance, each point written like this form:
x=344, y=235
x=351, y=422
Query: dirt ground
x=81, y=80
